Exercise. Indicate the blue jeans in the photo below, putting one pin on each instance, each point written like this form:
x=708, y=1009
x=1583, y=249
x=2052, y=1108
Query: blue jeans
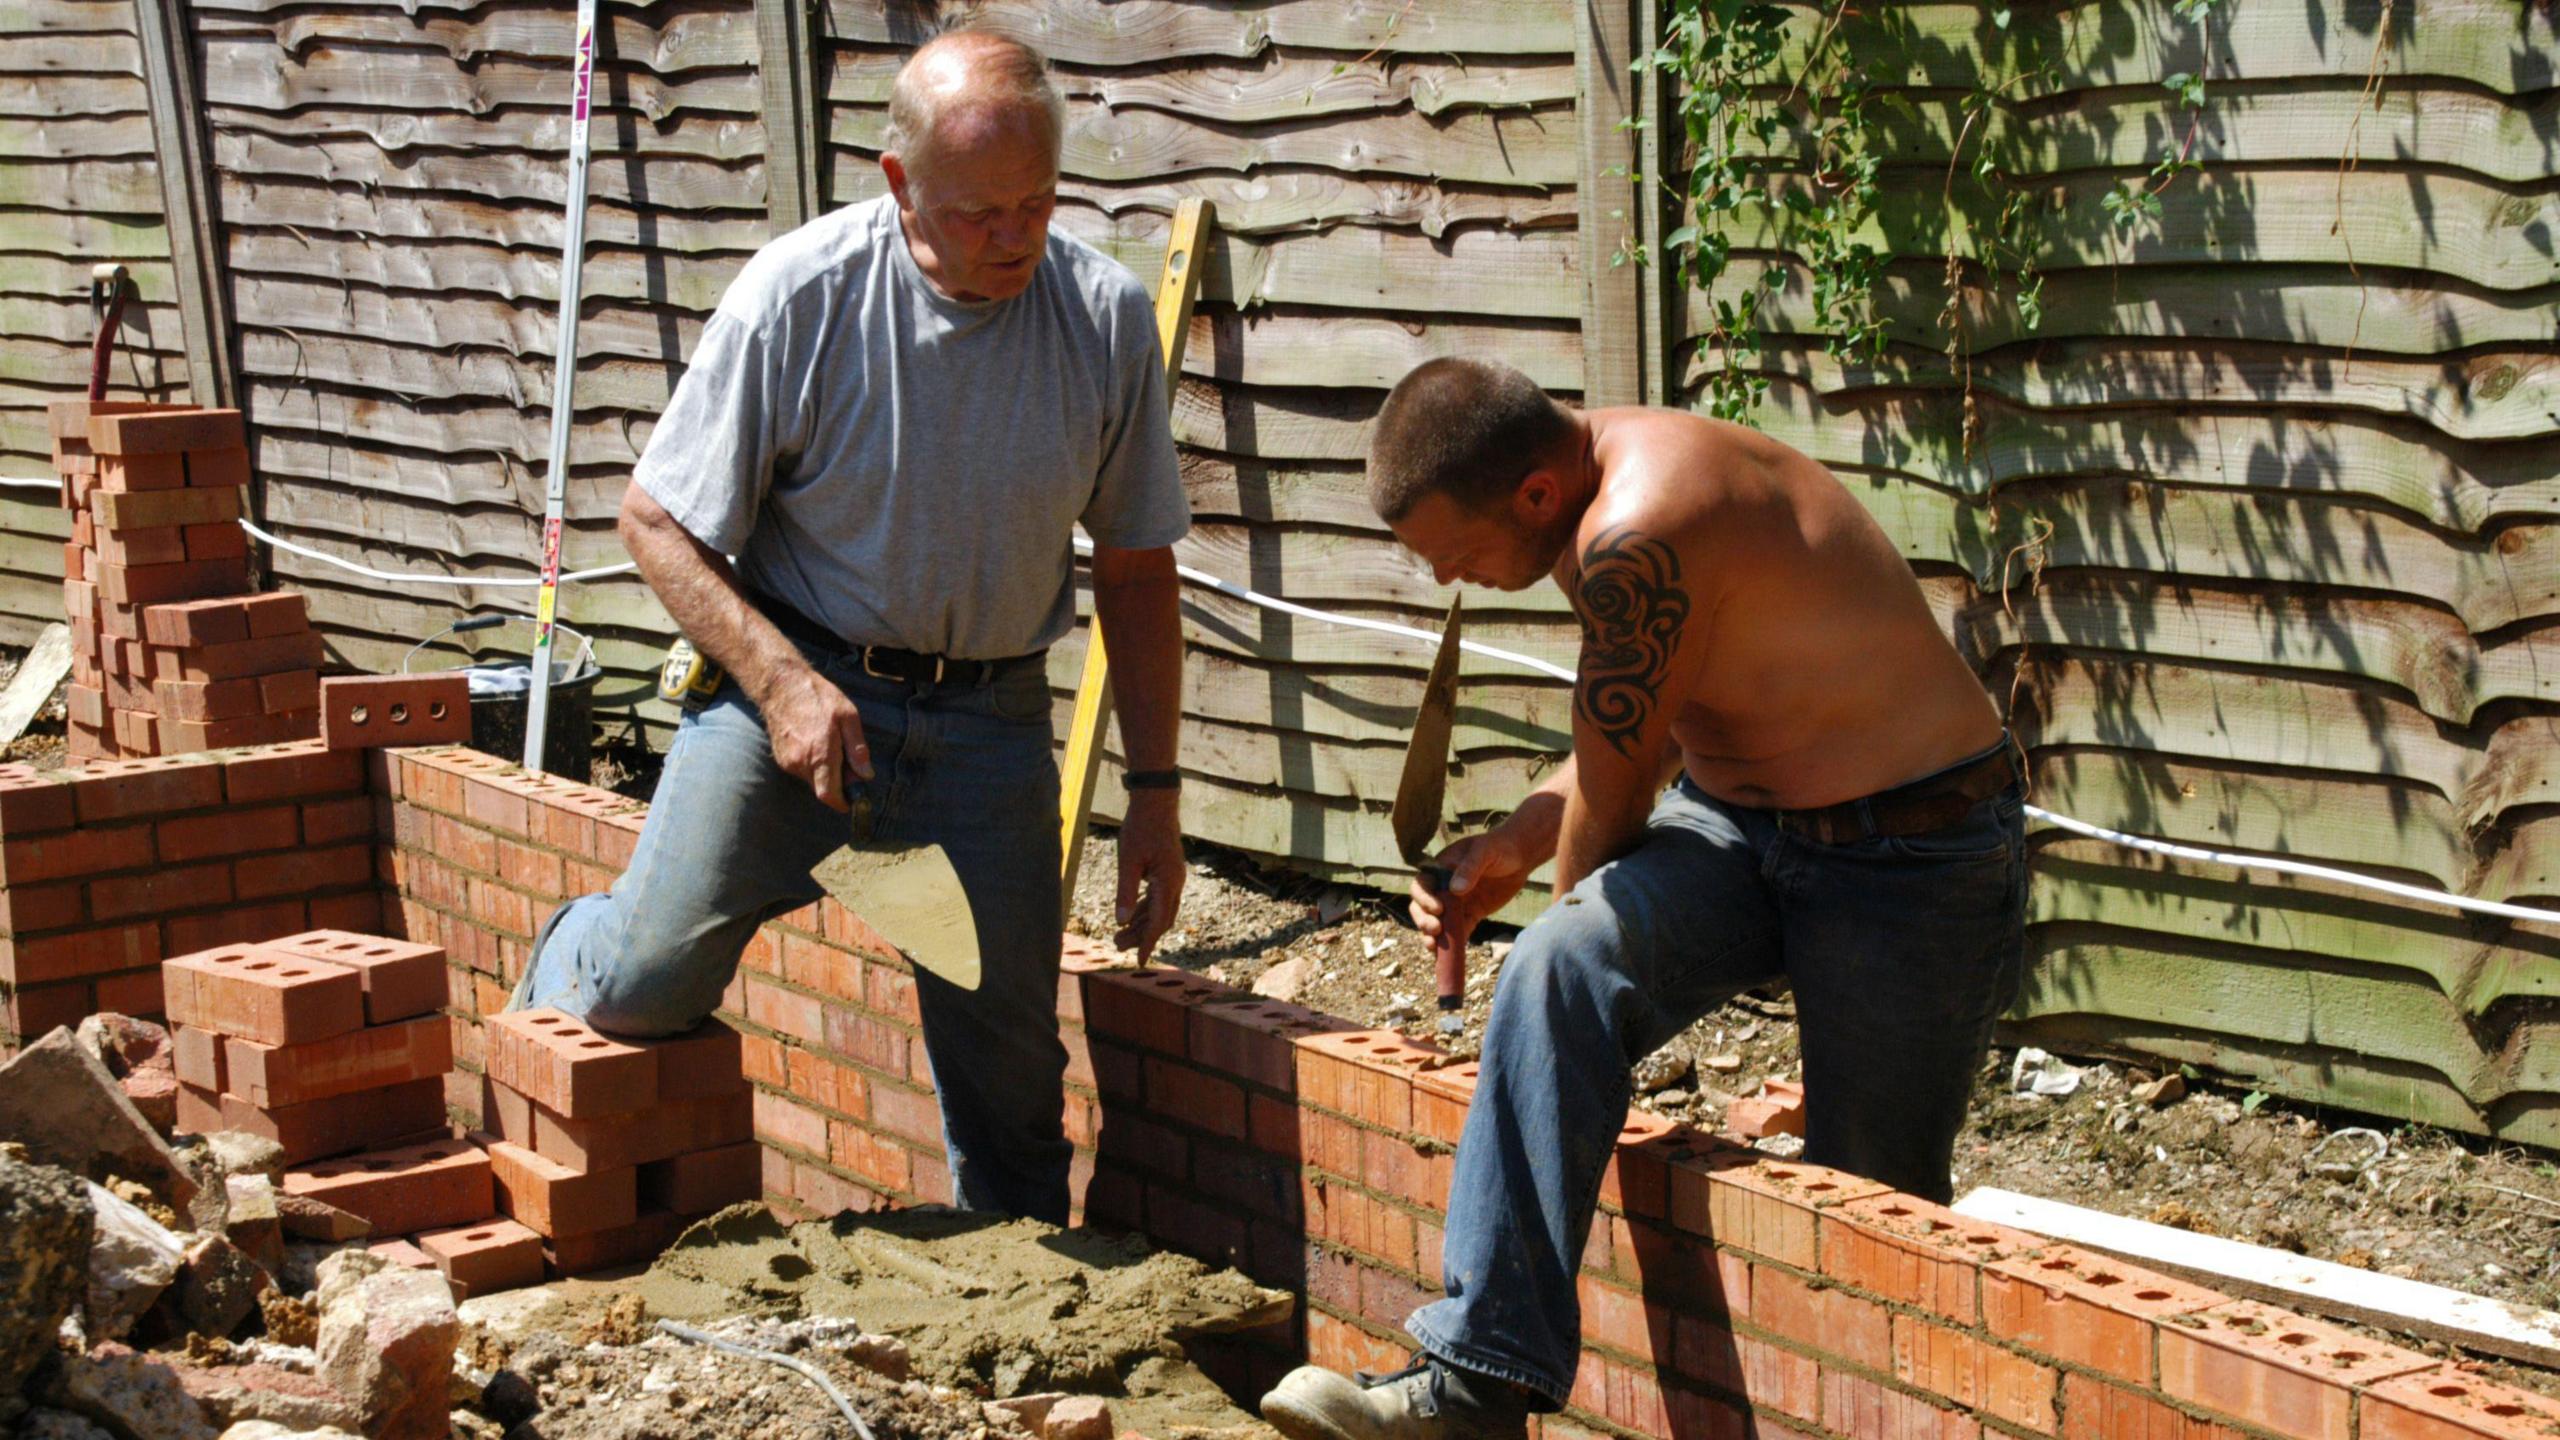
x=1901, y=950
x=731, y=839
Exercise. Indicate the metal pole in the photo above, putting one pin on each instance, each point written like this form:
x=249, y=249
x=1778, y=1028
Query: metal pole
x=564, y=386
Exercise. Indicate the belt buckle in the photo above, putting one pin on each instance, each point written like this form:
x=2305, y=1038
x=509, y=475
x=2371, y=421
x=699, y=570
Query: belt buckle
x=871, y=669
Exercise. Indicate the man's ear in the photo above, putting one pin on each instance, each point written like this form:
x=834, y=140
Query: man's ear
x=1537, y=499
x=895, y=168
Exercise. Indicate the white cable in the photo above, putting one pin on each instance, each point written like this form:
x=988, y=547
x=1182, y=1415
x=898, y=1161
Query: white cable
x=26, y=484
x=370, y=573
x=2079, y=827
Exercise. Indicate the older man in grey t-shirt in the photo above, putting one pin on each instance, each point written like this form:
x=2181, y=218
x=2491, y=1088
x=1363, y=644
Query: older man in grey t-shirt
x=894, y=423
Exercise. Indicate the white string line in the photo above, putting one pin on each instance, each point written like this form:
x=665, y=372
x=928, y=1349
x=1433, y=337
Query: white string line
x=24, y=483
x=2499, y=908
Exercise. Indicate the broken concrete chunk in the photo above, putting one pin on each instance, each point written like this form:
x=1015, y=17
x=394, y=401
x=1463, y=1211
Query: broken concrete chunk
x=46, y=1224
x=243, y=1153
x=2159, y=1094
x=1285, y=980
x=58, y=1100
x=881, y=1354
x=218, y=1287
x=1028, y=1412
x=133, y=1396
x=1078, y=1417
x=289, y=1402
x=255, y=1223
x=304, y=1218
x=386, y=1342
x=1661, y=1070
x=132, y=1259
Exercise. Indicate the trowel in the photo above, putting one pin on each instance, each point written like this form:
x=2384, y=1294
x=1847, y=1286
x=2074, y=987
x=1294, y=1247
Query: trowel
x=1419, y=793
x=909, y=894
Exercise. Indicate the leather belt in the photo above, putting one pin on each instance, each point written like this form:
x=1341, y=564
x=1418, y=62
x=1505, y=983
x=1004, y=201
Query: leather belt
x=882, y=662
x=1928, y=803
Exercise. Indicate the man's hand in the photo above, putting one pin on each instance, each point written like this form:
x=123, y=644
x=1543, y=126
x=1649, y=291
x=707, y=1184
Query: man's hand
x=1485, y=871
x=1151, y=870
x=816, y=731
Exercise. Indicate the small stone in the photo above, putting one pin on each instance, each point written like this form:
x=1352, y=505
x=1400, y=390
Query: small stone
x=1673, y=1099
x=2159, y=1094
x=219, y=1286
x=59, y=1101
x=46, y=1225
x=1661, y=1070
x=242, y=1153
x=1283, y=981
x=132, y=1259
x=1723, y=1064
x=882, y=1355
x=1078, y=1417
x=386, y=1342
x=1027, y=1412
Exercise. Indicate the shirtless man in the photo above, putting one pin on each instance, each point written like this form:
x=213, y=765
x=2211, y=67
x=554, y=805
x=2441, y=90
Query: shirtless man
x=1846, y=814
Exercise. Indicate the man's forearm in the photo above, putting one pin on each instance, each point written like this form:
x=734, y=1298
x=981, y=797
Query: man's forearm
x=1141, y=620
x=702, y=595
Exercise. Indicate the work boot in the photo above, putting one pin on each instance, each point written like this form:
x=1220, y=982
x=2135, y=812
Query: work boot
x=1424, y=1401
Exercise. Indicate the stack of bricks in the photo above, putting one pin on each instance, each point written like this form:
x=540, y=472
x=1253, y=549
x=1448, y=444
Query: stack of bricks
x=608, y=1147
x=324, y=1042
x=432, y=1205
x=170, y=651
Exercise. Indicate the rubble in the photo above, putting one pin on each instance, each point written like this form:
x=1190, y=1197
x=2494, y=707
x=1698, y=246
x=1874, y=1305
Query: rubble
x=219, y=1287
x=58, y=1100
x=255, y=1223
x=46, y=1223
x=244, y=1153
x=259, y=1391
x=132, y=1259
x=42, y=1423
x=304, y=1218
x=136, y=1397
x=269, y=1430
x=387, y=1334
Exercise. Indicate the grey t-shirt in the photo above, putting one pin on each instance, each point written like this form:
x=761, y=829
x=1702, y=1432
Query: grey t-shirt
x=906, y=468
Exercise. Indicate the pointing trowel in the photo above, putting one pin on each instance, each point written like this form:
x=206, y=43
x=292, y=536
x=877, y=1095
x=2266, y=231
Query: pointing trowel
x=909, y=894
x=1419, y=794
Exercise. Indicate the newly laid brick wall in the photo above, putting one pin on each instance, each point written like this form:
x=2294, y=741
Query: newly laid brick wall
x=1724, y=1294
x=107, y=869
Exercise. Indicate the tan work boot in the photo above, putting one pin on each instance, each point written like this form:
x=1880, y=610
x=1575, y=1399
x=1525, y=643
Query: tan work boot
x=1423, y=1401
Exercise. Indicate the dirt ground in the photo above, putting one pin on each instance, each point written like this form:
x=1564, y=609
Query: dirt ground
x=2442, y=1208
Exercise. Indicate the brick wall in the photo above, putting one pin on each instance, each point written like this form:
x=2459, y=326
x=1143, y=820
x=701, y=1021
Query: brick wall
x=1723, y=1294
x=105, y=870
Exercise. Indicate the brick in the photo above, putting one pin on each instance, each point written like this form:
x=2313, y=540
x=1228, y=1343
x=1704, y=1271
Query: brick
x=204, y=700
x=225, y=541
x=1636, y=1181
x=290, y=692
x=193, y=623
x=1832, y=1321
x=1358, y=1074
x=1855, y=1405
x=2084, y=1309
x=391, y=1115
x=1912, y=1251
x=158, y=509
x=401, y=978
x=1181, y=1221
x=32, y=803
x=164, y=431
x=877, y=1160
x=913, y=1115
x=271, y=999
x=265, y=655
x=2451, y=1405
x=227, y=833
x=238, y=925
x=1341, y=1346
x=1979, y=1376
x=271, y=1075
x=261, y=876
x=132, y=548
x=28, y=909
x=702, y=1063
x=554, y=1200
x=81, y=954
x=135, y=992
x=2274, y=1370
x=122, y=789
x=199, y=1111
x=357, y=913
x=561, y=1063
x=141, y=472
x=362, y=711
x=482, y=1259
x=1774, y=1377
x=159, y=891
x=1195, y=1098
x=217, y=466
x=181, y=580
x=69, y=420
x=701, y=1181
x=328, y=822
x=180, y=737
x=640, y=1136
x=2095, y=1410
x=1144, y=1008
x=196, y=1056
x=1760, y=1206
x=295, y=771
x=404, y=1254
x=630, y=1244
x=412, y=1187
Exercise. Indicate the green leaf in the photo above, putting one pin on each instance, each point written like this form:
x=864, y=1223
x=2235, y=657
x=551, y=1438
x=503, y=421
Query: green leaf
x=2250, y=1102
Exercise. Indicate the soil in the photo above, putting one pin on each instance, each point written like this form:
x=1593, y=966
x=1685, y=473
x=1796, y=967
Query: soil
x=2431, y=1205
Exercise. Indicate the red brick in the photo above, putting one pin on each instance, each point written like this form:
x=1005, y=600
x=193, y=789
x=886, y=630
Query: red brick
x=363, y=711
x=269, y=1076
x=303, y=871
x=561, y=1063
x=1358, y=1074
x=1194, y=1097
x=2273, y=1370
x=1975, y=1374
x=630, y=1244
x=555, y=1200
x=31, y=908
x=1774, y=1377
x=1832, y=1321
x=141, y=472
x=876, y=1159
x=239, y=925
x=1181, y=1221
x=196, y=1056
x=277, y=612
x=701, y=1181
x=81, y=954
x=824, y=1083
x=187, y=736
x=1636, y=1181
x=1145, y=1008
x=1761, y=1206
x=217, y=466
x=1249, y=1038
x=74, y=854
x=1625, y=1322
x=1342, y=1346
x=413, y=1187
x=640, y=1136
x=703, y=1062
x=177, y=580
x=357, y=913
x=121, y=789
x=165, y=432
x=391, y=1115
x=401, y=977
x=908, y=1114
x=294, y=771
x=494, y=1255
x=2082, y=1308
x=849, y=1032
x=154, y=546
x=2451, y=1405
x=134, y=992
x=2095, y=1410
x=165, y=509
x=160, y=891
x=1910, y=1250
x=1356, y=1220
x=272, y=999
x=225, y=833
x=290, y=692
x=199, y=1111
x=266, y=655
x=31, y=803
x=215, y=542
x=404, y=1254
x=1855, y=1406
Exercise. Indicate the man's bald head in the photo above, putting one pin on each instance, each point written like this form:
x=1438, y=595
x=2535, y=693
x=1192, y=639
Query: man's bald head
x=968, y=88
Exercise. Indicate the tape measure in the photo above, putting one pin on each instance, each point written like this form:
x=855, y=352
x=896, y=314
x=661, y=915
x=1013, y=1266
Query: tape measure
x=689, y=677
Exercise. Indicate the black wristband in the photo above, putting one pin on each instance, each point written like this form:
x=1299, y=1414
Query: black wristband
x=1151, y=780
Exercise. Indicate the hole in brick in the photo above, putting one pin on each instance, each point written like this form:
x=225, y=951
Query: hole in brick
x=2150, y=1294
x=2447, y=1392
x=480, y=1235
x=1982, y=1239
x=592, y=1045
x=544, y=1020
x=2055, y=1265
x=2103, y=1278
x=399, y=714
x=359, y=715
x=1896, y=1211
x=2504, y=1412
x=2348, y=1357
x=1789, y=1175
x=2293, y=1339
x=377, y=1166
x=435, y=1154
x=435, y=710
x=263, y=965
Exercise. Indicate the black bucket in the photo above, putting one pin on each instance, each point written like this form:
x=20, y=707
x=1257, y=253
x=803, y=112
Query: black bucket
x=501, y=692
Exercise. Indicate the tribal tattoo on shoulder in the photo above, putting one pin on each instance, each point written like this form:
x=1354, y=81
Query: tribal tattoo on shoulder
x=1632, y=607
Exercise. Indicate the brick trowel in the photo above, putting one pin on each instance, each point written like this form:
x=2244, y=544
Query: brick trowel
x=1416, y=816
x=907, y=893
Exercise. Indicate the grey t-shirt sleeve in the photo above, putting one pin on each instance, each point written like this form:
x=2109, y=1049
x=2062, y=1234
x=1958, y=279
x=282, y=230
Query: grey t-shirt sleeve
x=1138, y=502
x=725, y=430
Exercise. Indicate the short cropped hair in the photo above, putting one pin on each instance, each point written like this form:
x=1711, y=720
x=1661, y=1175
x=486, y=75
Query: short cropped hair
x=1467, y=429
x=1000, y=71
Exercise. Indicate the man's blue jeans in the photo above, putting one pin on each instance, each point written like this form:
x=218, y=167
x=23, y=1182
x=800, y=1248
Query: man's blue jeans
x=1901, y=951
x=731, y=839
